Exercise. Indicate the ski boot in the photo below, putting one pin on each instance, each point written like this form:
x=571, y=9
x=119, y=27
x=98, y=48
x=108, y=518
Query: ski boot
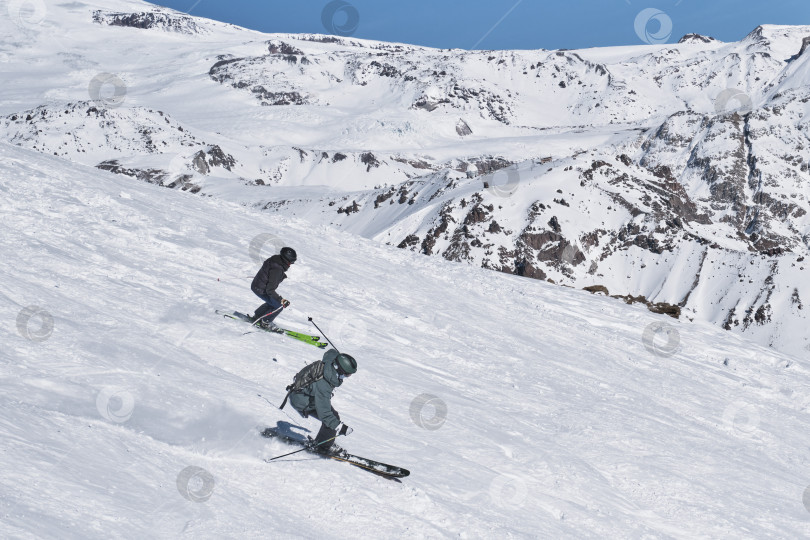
x=270, y=327
x=331, y=450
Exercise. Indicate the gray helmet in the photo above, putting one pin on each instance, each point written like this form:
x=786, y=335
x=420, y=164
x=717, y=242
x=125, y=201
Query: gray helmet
x=346, y=364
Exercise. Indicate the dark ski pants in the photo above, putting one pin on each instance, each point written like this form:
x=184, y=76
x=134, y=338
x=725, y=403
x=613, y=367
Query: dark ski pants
x=325, y=433
x=270, y=305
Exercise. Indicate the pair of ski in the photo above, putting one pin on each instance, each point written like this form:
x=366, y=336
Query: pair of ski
x=309, y=339
x=380, y=469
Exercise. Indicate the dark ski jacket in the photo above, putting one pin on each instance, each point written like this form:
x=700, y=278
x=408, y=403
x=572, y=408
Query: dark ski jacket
x=270, y=275
x=317, y=397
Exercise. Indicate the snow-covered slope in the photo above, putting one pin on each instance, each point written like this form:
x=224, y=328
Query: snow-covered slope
x=523, y=409
x=678, y=173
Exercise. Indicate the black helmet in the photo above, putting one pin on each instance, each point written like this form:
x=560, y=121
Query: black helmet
x=346, y=364
x=288, y=254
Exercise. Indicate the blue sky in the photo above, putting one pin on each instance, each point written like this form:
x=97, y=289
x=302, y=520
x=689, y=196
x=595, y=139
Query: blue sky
x=506, y=24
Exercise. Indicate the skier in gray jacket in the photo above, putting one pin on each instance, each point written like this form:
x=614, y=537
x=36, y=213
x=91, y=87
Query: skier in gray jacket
x=316, y=400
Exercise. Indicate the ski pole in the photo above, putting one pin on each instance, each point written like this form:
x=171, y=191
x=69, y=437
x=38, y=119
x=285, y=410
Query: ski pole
x=301, y=450
x=324, y=335
x=266, y=314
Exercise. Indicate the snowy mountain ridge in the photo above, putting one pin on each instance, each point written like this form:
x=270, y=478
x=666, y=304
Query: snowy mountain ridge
x=678, y=173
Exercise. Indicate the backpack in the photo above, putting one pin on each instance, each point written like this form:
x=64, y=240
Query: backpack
x=308, y=375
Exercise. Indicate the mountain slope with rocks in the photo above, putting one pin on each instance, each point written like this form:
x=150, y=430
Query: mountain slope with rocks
x=673, y=175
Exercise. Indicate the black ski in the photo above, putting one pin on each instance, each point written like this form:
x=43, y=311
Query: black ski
x=381, y=469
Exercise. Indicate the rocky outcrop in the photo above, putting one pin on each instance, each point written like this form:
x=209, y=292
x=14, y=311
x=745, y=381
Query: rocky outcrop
x=152, y=176
x=696, y=38
x=171, y=22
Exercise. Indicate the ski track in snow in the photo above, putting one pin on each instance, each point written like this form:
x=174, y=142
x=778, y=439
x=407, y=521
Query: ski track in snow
x=559, y=422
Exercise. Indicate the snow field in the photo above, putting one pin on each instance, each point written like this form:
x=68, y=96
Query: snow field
x=522, y=409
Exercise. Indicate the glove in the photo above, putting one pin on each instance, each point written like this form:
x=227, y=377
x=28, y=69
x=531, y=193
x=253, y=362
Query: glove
x=285, y=303
x=343, y=429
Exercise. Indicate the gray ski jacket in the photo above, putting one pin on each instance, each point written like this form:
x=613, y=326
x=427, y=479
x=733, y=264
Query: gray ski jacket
x=317, y=397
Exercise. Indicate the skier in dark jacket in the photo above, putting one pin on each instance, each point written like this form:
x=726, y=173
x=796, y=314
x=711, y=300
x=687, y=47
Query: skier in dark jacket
x=316, y=400
x=264, y=285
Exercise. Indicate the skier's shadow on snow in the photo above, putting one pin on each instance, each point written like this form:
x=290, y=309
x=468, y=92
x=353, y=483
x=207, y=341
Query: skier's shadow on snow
x=293, y=431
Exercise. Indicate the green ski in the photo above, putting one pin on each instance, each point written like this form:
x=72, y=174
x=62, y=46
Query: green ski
x=300, y=336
